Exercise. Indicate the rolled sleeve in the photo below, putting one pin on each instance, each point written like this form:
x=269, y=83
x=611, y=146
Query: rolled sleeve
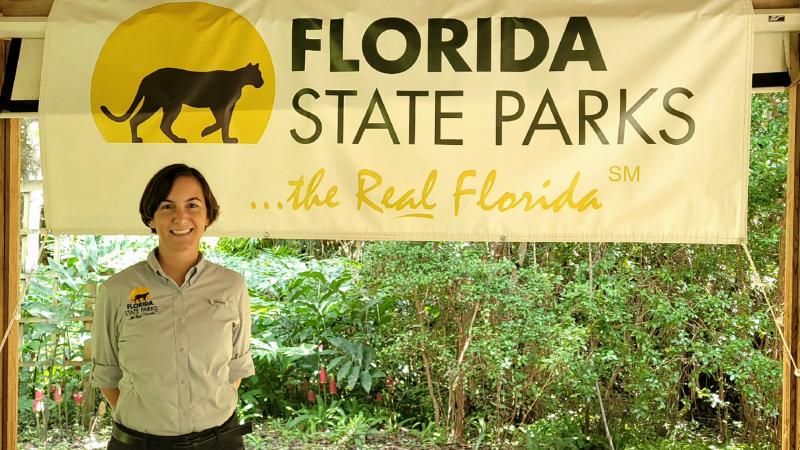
x=241, y=365
x=105, y=362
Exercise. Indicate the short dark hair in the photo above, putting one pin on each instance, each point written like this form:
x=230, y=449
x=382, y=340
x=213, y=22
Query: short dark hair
x=159, y=187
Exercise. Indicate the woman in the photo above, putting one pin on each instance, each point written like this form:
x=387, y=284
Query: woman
x=171, y=334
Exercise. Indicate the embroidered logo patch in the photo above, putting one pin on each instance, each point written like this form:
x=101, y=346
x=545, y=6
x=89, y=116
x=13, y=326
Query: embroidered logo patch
x=140, y=304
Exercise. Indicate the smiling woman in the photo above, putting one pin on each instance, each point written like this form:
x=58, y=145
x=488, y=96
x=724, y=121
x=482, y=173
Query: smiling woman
x=178, y=206
x=172, y=333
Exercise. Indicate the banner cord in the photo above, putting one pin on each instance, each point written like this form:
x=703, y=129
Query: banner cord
x=759, y=285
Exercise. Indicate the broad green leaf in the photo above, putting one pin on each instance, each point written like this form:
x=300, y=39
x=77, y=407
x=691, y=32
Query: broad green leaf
x=346, y=346
x=319, y=276
x=335, y=362
x=366, y=358
x=343, y=371
x=366, y=380
x=353, y=378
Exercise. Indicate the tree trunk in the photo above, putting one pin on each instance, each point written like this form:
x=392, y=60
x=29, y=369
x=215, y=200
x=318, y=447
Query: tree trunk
x=457, y=408
x=426, y=361
x=723, y=407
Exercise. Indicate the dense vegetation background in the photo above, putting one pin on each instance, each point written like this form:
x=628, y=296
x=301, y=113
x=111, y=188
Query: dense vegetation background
x=484, y=344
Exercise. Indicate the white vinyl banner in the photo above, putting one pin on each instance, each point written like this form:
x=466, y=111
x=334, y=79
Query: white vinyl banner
x=422, y=120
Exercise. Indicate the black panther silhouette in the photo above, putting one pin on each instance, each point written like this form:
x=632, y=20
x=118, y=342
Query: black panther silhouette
x=169, y=89
x=140, y=297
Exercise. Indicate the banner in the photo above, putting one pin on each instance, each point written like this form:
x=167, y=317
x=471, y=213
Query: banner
x=419, y=120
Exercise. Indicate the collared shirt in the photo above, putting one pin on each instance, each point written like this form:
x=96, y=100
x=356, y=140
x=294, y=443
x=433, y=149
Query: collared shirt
x=172, y=351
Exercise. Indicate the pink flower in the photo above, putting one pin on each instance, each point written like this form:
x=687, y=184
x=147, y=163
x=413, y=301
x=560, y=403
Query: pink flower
x=56, y=390
x=311, y=396
x=38, y=401
x=323, y=375
x=332, y=385
x=77, y=397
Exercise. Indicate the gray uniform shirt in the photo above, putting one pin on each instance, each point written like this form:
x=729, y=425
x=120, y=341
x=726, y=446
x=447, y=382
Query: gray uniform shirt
x=172, y=351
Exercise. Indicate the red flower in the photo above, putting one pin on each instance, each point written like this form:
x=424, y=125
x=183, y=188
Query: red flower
x=56, y=390
x=379, y=397
x=38, y=401
x=323, y=375
x=332, y=385
x=390, y=383
x=77, y=397
x=311, y=396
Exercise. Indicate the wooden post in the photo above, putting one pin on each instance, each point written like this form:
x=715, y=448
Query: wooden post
x=9, y=267
x=789, y=416
x=9, y=294
x=9, y=358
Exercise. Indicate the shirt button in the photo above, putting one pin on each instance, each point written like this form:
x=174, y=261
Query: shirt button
x=183, y=381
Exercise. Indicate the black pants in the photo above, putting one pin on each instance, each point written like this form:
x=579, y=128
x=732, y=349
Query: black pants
x=231, y=443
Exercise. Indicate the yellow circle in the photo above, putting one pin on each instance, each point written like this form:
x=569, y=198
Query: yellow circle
x=194, y=55
x=139, y=294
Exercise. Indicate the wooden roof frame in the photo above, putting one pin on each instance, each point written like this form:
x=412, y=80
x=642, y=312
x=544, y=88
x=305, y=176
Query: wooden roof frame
x=26, y=18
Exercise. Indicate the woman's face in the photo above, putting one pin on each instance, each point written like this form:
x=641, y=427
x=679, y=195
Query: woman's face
x=181, y=219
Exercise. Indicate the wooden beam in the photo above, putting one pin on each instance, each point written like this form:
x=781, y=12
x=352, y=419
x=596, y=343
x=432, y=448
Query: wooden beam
x=9, y=294
x=789, y=416
x=775, y=4
x=25, y=7
x=46, y=320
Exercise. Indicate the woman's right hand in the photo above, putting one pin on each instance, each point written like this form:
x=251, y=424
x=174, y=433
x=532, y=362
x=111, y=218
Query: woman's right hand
x=111, y=394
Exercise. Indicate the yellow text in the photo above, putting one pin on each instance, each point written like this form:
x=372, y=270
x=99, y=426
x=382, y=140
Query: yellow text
x=373, y=196
x=305, y=195
x=488, y=200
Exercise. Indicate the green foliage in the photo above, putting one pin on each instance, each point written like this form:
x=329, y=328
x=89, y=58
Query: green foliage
x=56, y=294
x=353, y=431
x=355, y=365
x=307, y=315
x=559, y=431
x=30, y=164
x=766, y=194
x=320, y=418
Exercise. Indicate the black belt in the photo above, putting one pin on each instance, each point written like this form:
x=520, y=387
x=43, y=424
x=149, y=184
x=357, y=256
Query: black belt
x=207, y=442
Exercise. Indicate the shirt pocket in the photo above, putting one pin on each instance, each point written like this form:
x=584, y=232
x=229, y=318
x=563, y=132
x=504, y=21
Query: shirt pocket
x=222, y=309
